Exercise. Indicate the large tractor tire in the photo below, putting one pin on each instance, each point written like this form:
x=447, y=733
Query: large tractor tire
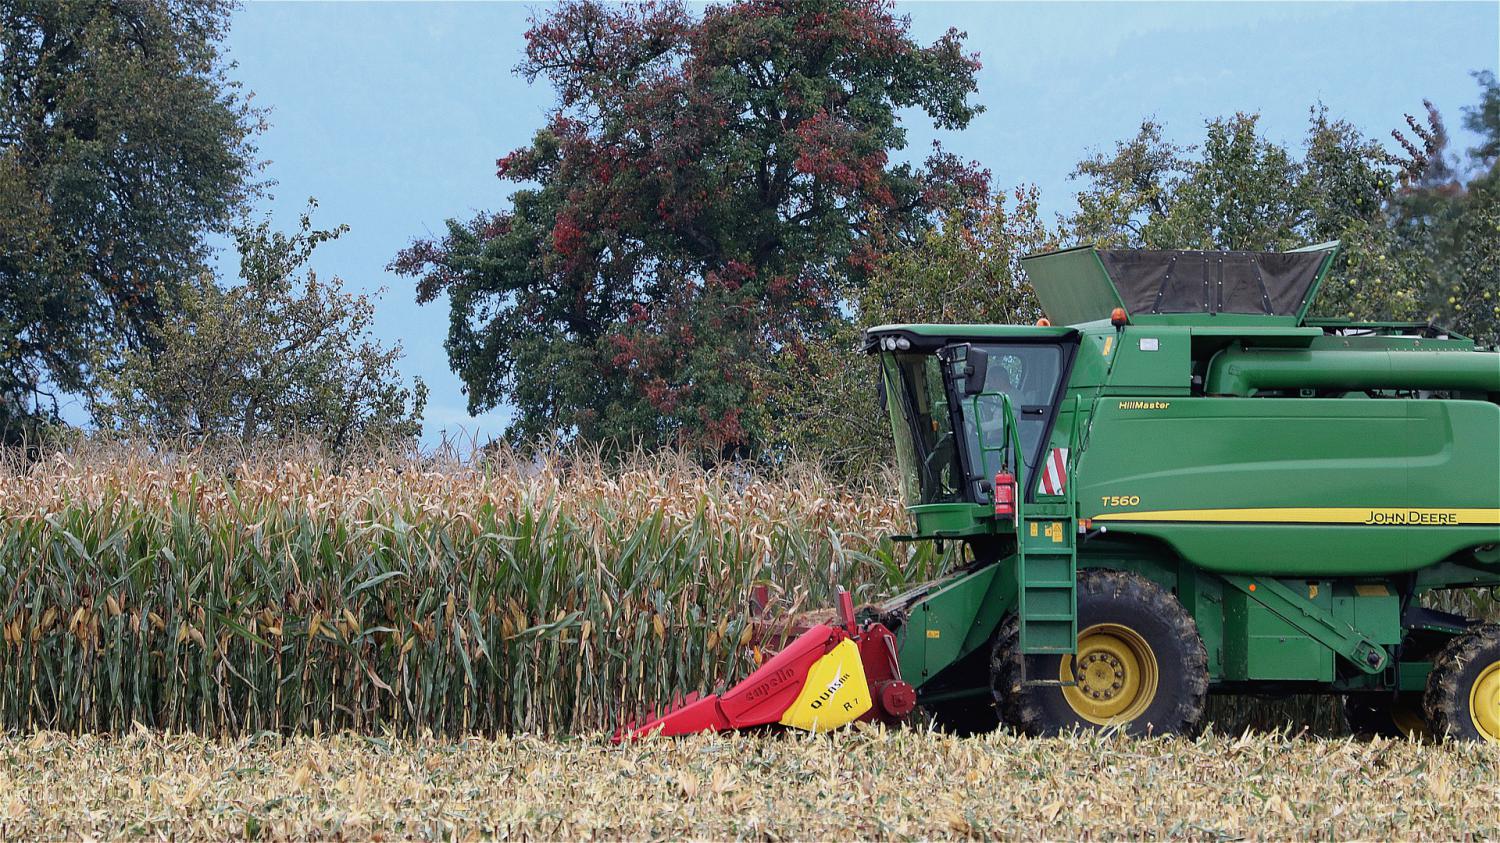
x=1140, y=667
x=1463, y=689
x=1385, y=715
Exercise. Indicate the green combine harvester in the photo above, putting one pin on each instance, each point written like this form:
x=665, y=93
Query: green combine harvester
x=1177, y=484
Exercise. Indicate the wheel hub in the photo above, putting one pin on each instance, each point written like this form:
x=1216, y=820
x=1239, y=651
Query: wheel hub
x=1100, y=675
x=1113, y=679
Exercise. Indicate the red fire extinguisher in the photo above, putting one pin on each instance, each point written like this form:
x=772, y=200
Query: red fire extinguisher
x=1005, y=494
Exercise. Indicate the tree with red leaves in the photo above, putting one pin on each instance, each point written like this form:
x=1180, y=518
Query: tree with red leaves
x=704, y=199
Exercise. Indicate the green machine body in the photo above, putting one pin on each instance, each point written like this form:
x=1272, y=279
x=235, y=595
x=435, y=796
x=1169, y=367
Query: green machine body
x=1181, y=479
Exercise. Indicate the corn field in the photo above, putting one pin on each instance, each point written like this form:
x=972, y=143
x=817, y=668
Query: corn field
x=546, y=596
x=556, y=595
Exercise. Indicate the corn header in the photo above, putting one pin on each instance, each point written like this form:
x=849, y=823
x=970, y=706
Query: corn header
x=1178, y=483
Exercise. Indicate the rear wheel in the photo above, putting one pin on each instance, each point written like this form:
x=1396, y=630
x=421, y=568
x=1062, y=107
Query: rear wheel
x=1463, y=689
x=1140, y=665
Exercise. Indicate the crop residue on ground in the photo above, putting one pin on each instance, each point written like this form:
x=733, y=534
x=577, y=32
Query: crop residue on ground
x=868, y=783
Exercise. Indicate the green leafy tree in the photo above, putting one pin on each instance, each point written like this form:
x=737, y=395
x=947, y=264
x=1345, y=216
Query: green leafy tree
x=1467, y=286
x=1241, y=191
x=1484, y=120
x=122, y=143
x=966, y=270
x=1453, y=225
x=284, y=354
x=705, y=194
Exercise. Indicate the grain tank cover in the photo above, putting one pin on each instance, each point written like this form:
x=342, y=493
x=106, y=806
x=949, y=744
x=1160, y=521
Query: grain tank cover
x=1085, y=284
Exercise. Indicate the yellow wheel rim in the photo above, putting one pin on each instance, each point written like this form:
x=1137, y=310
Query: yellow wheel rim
x=1113, y=679
x=1484, y=703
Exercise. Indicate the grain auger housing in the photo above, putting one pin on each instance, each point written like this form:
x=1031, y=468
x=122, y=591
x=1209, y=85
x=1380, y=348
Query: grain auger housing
x=1181, y=483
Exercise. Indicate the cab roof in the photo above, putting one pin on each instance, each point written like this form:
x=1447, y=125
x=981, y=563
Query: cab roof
x=927, y=337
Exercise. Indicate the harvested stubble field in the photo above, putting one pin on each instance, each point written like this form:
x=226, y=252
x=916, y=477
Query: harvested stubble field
x=868, y=783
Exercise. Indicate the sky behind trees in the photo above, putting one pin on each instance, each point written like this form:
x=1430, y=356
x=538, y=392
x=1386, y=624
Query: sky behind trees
x=393, y=115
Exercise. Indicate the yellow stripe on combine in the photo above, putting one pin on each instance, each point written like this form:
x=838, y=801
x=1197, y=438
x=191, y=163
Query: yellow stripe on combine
x=1371, y=516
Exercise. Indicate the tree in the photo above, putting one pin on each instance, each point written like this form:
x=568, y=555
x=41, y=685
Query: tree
x=122, y=142
x=1484, y=120
x=1451, y=225
x=1467, y=276
x=1241, y=191
x=703, y=197
x=966, y=270
x=284, y=354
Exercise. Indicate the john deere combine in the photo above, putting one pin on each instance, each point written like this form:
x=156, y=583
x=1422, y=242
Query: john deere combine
x=1177, y=484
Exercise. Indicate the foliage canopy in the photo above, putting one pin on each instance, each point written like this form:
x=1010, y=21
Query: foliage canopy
x=703, y=196
x=1448, y=217
x=122, y=143
x=284, y=354
x=1419, y=240
x=1242, y=191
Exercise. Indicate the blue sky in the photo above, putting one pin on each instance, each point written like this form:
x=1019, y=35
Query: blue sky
x=392, y=114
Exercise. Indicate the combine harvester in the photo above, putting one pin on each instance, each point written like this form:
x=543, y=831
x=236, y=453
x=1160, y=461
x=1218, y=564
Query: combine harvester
x=1177, y=484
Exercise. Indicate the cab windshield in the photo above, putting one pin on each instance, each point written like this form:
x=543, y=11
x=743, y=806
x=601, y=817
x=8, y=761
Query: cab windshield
x=938, y=466
x=922, y=420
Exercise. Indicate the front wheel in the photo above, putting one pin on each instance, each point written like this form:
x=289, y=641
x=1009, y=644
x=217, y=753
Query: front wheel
x=1140, y=665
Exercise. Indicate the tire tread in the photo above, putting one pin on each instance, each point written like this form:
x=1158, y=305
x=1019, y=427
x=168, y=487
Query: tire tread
x=1020, y=706
x=1447, y=698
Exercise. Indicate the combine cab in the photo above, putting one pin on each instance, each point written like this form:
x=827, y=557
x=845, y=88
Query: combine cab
x=1183, y=485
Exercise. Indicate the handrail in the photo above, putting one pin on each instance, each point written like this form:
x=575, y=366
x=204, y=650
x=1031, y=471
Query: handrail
x=1069, y=494
x=1011, y=450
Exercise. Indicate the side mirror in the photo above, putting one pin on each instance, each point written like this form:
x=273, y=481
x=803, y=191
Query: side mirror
x=976, y=368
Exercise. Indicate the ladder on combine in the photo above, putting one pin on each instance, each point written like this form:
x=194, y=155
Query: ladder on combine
x=1047, y=565
x=1046, y=548
x=1047, y=581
